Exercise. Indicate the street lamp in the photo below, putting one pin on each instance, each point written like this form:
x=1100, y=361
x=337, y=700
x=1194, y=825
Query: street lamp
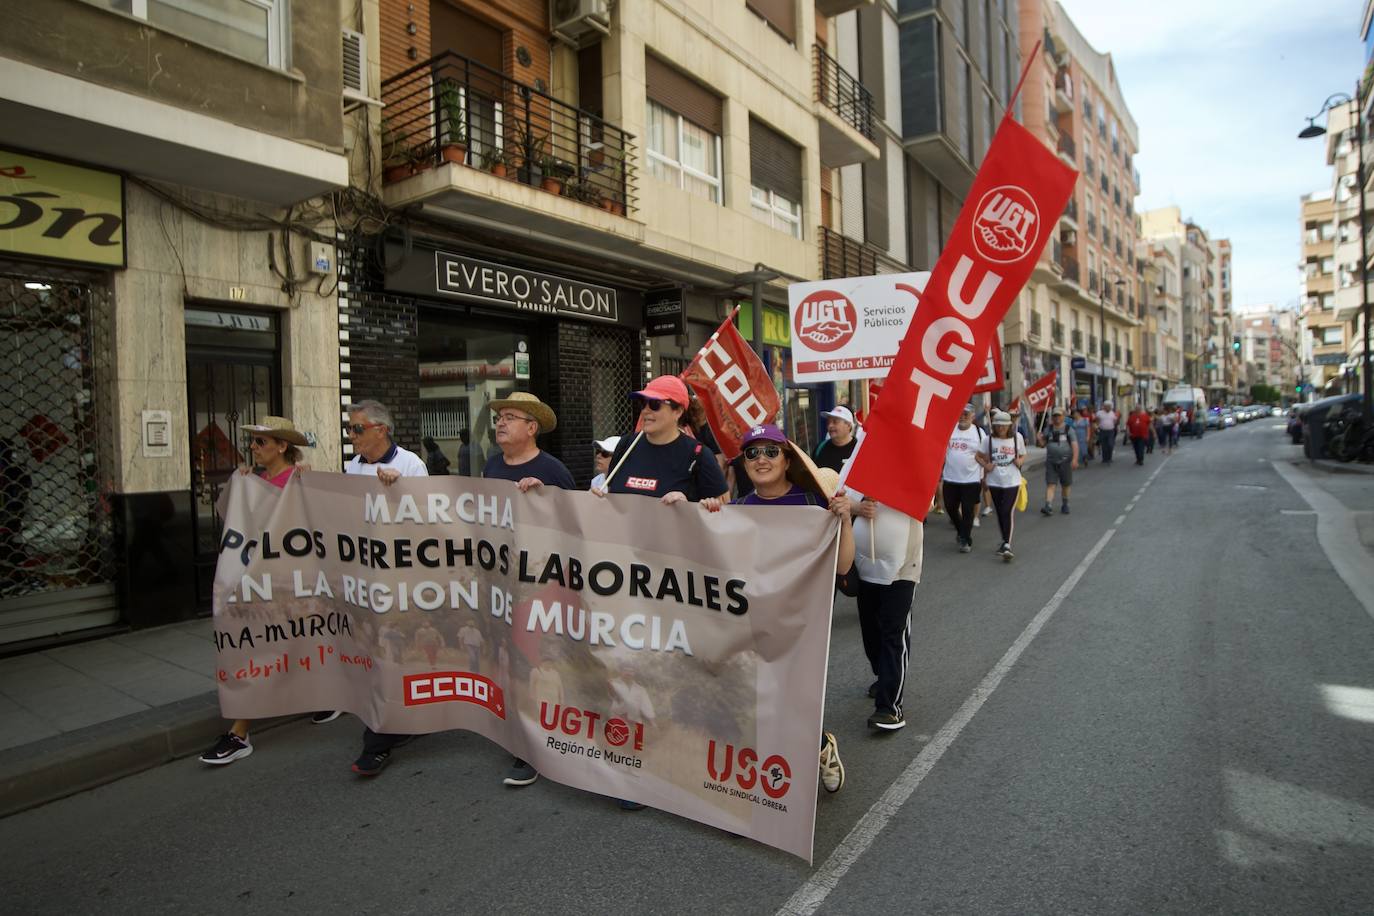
x=1314, y=130
x=1102, y=328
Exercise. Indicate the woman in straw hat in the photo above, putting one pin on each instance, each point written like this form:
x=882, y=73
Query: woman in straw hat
x=276, y=447
x=784, y=475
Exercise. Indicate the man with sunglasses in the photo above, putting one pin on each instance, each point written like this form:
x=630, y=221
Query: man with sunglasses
x=519, y=419
x=369, y=431
x=664, y=462
x=374, y=451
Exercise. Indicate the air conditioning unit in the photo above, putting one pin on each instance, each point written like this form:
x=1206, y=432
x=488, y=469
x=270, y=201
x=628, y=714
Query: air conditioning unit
x=580, y=22
x=355, y=68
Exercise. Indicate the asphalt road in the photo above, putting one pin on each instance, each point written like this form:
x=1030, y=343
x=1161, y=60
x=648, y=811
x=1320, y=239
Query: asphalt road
x=1189, y=727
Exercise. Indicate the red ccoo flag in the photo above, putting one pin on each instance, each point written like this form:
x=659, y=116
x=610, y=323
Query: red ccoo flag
x=1039, y=394
x=733, y=386
x=1008, y=218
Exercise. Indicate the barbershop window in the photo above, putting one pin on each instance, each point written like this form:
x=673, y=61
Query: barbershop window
x=775, y=179
x=683, y=129
x=254, y=30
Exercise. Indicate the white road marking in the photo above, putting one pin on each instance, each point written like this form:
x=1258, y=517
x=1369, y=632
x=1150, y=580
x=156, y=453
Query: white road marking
x=1297, y=512
x=1119, y=520
x=809, y=897
x=1337, y=534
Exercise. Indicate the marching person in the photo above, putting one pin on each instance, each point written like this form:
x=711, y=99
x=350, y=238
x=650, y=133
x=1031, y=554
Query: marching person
x=962, y=479
x=601, y=461
x=662, y=461
x=436, y=462
x=1138, y=425
x=470, y=458
x=1005, y=453
x=1106, y=431
x=375, y=452
x=839, y=427
x=1061, y=459
x=782, y=476
x=1082, y=430
x=519, y=419
x=276, y=448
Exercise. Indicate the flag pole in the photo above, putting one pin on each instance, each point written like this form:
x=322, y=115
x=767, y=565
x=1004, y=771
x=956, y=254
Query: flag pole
x=638, y=436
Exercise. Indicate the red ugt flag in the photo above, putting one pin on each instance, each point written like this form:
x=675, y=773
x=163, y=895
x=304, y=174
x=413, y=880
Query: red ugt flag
x=1006, y=221
x=1040, y=393
x=733, y=386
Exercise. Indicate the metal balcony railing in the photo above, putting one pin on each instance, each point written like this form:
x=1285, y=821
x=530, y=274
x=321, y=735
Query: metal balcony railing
x=1071, y=211
x=839, y=91
x=841, y=256
x=452, y=109
x=1077, y=339
x=1070, y=269
x=1066, y=146
x=1057, y=331
x=1035, y=324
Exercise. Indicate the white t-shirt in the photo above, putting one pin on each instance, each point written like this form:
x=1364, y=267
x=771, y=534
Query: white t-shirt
x=898, y=539
x=1106, y=419
x=961, y=462
x=1005, y=473
x=403, y=460
x=599, y=482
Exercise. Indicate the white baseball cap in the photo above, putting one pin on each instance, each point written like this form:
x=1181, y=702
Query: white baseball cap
x=840, y=412
x=608, y=444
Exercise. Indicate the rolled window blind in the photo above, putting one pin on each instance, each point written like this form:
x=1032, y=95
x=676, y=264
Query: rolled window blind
x=774, y=161
x=677, y=92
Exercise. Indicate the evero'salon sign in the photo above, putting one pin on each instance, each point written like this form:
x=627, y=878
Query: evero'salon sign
x=66, y=212
x=526, y=290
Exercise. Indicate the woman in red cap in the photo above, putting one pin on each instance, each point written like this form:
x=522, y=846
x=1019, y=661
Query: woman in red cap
x=661, y=461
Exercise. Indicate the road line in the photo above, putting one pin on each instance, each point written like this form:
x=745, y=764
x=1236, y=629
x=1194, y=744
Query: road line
x=1297, y=512
x=809, y=897
x=1336, y=533
x=1119, y=520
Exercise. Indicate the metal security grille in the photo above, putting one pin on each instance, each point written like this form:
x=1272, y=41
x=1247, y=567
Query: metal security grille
x=613, y=377
x=56, y=532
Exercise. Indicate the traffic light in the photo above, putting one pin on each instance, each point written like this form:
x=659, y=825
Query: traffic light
x=1235, y=343
x=1298, y=387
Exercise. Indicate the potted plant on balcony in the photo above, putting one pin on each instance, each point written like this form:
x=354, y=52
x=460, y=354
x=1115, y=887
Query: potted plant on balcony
x=453, y=144
x=498, y=162
x=530, y=149
x=554, y=174
x=583, y=191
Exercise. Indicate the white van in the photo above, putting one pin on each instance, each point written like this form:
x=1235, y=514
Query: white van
x=1194, y=402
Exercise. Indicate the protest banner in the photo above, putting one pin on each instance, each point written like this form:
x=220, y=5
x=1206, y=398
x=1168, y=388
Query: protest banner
x=659, y=654
x=1039, y=394
x=733, y=386
x=1008, y=217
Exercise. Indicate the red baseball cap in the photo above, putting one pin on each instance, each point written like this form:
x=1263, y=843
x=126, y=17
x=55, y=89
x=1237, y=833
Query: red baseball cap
x=666, y=388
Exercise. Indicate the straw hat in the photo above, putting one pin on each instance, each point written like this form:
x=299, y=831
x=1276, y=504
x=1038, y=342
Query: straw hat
x=277, y=428
x=528, y=403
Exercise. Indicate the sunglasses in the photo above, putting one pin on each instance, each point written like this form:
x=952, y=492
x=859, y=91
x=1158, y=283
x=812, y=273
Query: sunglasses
x=358, y=429
x=601, y=454
x=261, y=441
x=755, y=452
x=654, y=404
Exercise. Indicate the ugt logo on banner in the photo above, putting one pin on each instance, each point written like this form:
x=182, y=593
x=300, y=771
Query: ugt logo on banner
x=989, y=257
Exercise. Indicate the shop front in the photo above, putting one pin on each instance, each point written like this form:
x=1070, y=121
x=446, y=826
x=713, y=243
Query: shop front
x=61, y=237
x=453, y=331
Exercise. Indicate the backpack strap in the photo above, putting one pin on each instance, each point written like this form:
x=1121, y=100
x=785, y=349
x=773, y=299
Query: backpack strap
x=692, y=494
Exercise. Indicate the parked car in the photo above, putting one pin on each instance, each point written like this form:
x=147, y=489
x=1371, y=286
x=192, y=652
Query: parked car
x=1194, y=402
x=1214, y=418
x=1228, y=418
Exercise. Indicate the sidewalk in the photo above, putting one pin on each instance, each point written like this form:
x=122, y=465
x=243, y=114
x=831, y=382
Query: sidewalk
x=79, y=716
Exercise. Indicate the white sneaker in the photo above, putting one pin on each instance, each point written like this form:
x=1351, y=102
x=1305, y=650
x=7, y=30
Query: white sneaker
x=832, y=770
x=976, y=522
x=987, y=510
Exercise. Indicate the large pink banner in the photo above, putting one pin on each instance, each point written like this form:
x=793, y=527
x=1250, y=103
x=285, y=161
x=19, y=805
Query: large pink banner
x=641, y=651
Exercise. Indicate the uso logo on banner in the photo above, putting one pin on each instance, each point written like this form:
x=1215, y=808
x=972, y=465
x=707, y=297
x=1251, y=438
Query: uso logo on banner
x=825, y=320
x=1005, y=224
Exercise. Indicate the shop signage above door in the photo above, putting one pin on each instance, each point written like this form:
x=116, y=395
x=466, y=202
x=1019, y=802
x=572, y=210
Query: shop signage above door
x=61, y=212
x=1080, y=362
x=526, y=290
x=1328, y=359
x=665, y=312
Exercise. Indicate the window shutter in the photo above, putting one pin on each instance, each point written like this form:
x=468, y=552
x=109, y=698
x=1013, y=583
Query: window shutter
x=774, y=162
x=780, y=14
x=683, y=96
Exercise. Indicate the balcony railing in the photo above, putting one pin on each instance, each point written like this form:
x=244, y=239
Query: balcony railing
x=1057, y=331
x=1077, y=339
x=841, y=256
x=1071, y=211
x=1070, y=269
x=452, y=109
x=1035, y=324
x=842, y=93
x=1066, y=146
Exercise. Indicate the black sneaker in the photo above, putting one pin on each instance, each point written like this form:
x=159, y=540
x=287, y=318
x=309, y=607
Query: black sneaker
x=1064, y=509
x=1046, y=510
x=520, y=774
x=1007, y=555
x=320, y=718
x=872, y=690
x=371, y=764
x=227, y=749
x=886, y=721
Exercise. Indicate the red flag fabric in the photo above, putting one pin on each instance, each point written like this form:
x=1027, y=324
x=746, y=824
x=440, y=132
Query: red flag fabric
x=992, y=378
x=1008, y=218
x=1039, y=394
x=734, y=387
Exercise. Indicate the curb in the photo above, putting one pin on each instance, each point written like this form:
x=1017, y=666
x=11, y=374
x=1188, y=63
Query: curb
x=1340, y=467
x=44, y=771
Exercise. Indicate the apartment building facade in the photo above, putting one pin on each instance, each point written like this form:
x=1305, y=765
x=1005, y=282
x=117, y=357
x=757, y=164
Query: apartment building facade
x=163, y=168
x=1348, y=297
x=1323, y=343
x=1079, y=314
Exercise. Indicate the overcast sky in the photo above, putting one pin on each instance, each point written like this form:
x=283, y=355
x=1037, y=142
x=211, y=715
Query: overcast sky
x=1219, y=90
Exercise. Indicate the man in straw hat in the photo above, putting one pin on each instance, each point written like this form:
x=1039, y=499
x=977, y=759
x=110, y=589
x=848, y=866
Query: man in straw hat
x=784, y=475
x=519, y=419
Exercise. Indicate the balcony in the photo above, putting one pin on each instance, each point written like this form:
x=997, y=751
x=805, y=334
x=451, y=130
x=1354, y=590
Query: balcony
x=1035, y=325
x=1057, y=332
x=842, y=256
x=110, y=90
x=462, y=138
x=844, y=109
x=1067, y=151
x=1092, y=225
x=1076, y=340
x=1070, y=214
x=836, y=7
x=1063, y=92
x=1068, y=278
